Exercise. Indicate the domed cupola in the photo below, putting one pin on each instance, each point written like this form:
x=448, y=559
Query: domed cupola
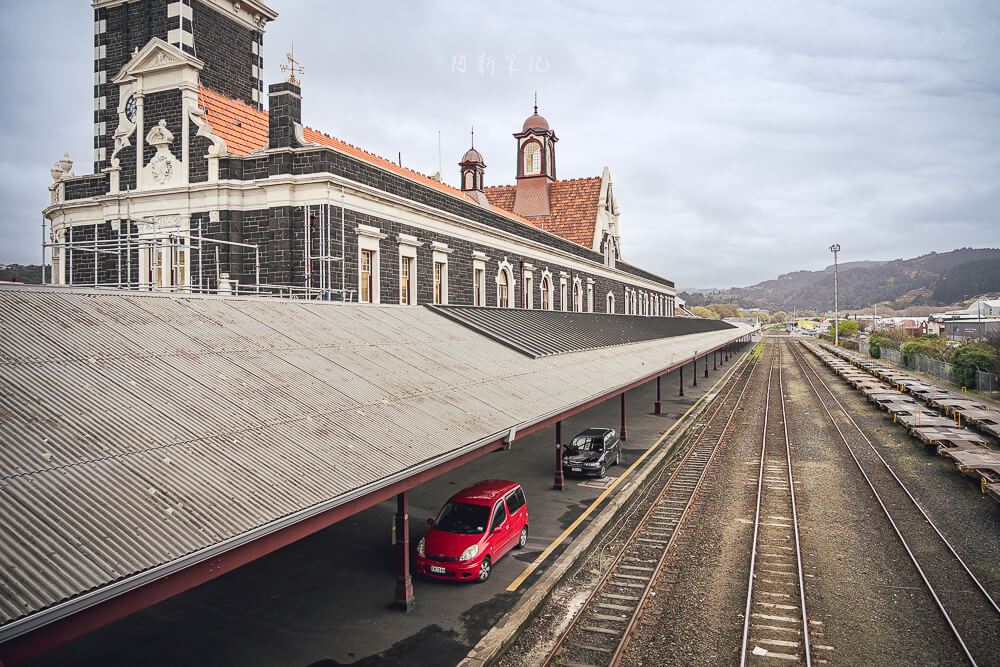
x=536, y=165
x=473, y=166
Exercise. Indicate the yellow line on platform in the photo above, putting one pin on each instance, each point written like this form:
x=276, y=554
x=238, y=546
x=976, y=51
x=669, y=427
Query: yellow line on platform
x=600, y=499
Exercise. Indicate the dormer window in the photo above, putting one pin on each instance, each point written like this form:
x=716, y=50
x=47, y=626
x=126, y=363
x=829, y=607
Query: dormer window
x=532, y=159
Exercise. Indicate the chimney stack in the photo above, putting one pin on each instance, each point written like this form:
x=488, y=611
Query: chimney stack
x=285, y=111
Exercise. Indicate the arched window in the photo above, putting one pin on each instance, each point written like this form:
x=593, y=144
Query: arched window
x=545, y=288
x=532, y=158
x=577, y=297
x=505, y=285
x=503, y=290
x=468, y=180
x=611, y=303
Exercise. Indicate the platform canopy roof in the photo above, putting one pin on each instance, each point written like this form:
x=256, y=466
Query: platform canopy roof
x=140, y=432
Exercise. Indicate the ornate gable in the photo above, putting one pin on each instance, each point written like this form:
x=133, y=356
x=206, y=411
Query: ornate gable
x=161, y=66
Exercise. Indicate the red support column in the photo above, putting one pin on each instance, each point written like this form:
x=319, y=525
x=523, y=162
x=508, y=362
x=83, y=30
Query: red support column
x=656, y=405
x=624, y=433
x=404, y=582
x=559, y=481
x=680, y=385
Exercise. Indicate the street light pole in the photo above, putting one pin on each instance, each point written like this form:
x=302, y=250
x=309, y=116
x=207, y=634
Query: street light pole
x=835, y=248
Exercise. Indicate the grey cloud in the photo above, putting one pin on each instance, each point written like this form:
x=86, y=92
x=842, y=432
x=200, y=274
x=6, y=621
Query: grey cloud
x=743, y=138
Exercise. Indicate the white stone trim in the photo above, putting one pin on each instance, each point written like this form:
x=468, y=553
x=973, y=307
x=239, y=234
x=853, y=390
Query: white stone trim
x=408, y=253
x=369, y=239
x=409, y=240
x=563, y=292
x=528, y=275
x=609, y=303
x=546, y=279
x=290, y=190
x=479, y=265
x=175, y=8
x=369, y=232
x=182, y=36
x=440, y=256
x=506, y=268
x=437, y=246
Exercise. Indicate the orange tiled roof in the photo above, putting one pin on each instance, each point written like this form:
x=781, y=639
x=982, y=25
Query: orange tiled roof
x=244, y=129
x=501, y=196
x=573, y=206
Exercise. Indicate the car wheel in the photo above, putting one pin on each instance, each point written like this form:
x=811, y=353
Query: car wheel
x=523, y=539
x=603, y=471
x=484, y=569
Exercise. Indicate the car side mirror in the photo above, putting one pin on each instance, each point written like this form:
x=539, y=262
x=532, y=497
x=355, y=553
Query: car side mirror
x=430, y=522
x=497, y=529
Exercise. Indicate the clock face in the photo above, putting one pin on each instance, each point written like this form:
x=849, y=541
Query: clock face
x=130, y=109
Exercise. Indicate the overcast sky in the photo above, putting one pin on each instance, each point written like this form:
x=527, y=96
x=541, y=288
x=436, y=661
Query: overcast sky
x=743, y=138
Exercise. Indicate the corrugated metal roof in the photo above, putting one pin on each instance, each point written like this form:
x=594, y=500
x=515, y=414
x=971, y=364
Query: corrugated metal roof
x=139, y=429
x=538, y=333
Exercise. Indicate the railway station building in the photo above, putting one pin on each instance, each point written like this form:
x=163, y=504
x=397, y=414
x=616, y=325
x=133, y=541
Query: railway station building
x=167, y=419
x=197, y=188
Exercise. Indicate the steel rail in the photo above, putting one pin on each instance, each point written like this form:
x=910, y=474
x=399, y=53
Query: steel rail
x=756, y=520
x=747, y=370
x=795, y=521
x=803, y=365
x=800, y=581
x=616, y=657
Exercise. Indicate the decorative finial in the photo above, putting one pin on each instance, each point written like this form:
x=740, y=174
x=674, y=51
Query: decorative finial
x=293, y=67
x=473, y=132
x=536, y=102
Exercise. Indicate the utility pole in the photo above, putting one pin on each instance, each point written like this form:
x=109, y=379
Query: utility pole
x=835, y=248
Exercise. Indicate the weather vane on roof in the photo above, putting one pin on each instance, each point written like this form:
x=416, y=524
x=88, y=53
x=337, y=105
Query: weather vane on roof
x=536, y=102
x=473, y=132
x=293, y=67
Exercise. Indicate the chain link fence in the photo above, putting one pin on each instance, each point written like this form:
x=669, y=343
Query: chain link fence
x=891, y=355
x=986, y=382
x=933, y=367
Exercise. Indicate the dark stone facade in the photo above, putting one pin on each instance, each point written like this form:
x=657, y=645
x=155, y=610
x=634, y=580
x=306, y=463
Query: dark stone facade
x=83, y=187
x=226, y=48
x=224, y=45
x=323, y=160
x=280, y=234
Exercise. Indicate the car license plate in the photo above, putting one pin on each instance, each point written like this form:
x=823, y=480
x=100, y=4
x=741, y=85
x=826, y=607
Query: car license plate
x=577, y=469
x=437, y=569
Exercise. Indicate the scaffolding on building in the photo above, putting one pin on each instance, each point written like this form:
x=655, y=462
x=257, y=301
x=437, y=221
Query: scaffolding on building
x=156, y=253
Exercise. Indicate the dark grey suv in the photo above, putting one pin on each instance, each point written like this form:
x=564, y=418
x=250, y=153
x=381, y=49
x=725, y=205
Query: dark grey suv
x=591, y=452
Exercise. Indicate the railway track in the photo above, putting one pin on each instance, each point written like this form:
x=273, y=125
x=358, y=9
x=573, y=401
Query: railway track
x=600, y=629
x=970, y=612
x=775, y=626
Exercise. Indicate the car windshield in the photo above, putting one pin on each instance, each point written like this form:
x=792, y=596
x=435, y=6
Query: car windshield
x=463, y=518
x=587, y=443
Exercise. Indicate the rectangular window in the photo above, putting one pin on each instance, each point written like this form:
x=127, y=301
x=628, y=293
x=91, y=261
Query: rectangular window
x=367, y=260
x=404, y=280
x=479, y=278
x=529, y=284
x=439, y=282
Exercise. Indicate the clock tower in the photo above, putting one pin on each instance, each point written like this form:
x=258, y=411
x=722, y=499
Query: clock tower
x=227, y=36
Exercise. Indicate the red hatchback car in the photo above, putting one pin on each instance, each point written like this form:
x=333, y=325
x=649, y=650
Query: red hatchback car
x=473, y=530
